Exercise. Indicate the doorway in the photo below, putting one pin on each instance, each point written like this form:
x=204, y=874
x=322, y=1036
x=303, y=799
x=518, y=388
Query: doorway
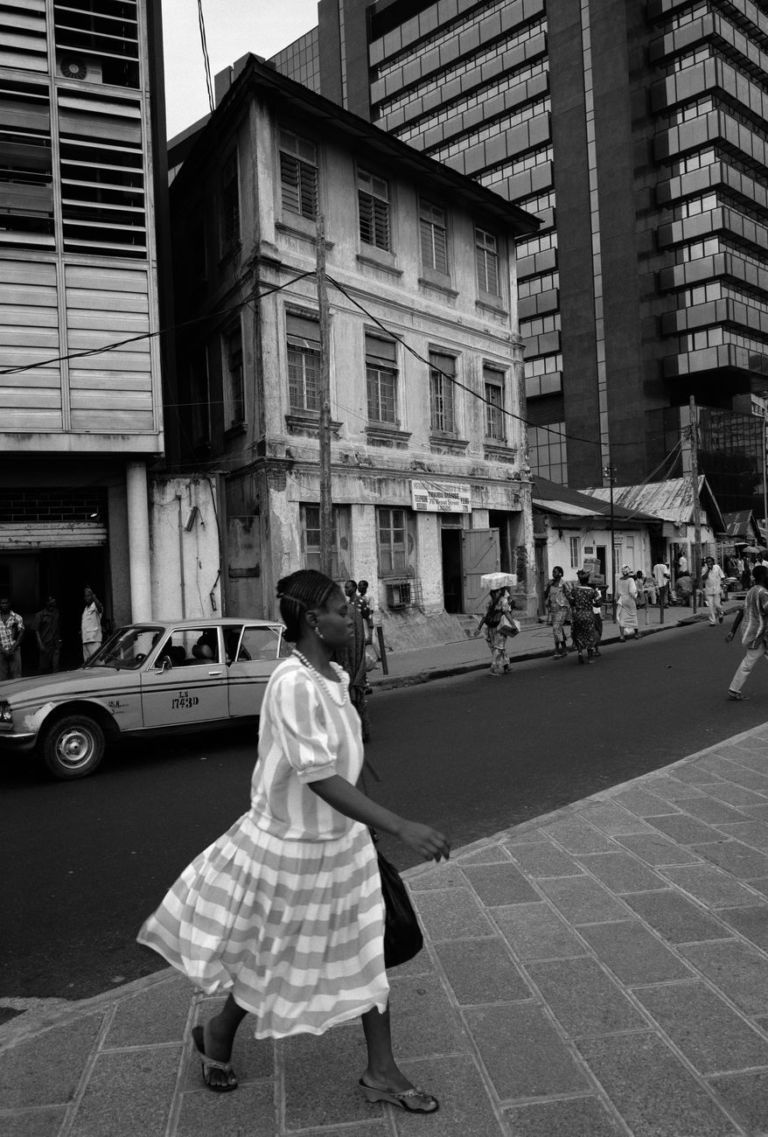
x=450, y=540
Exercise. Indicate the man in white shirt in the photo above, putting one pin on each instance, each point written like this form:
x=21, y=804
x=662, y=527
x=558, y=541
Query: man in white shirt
x=712, y=582
x=661, y=579
x=90, y=624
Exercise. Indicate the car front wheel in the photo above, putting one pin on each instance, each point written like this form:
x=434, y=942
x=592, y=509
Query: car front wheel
x=73, y=746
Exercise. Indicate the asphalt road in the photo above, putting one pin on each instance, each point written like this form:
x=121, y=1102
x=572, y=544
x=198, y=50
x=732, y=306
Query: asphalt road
x=86, y=861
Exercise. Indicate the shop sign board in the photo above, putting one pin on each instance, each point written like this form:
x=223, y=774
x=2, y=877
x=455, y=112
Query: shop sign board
x=441, y=497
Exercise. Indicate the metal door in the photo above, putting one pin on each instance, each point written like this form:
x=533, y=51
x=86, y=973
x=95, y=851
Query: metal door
x=479, y=554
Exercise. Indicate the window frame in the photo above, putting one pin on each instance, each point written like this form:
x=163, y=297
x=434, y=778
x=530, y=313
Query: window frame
x=494, y=378
x=381, y=372
x=305, y=351
x=428, y=228
x=442, y=393
x=483, y=252
x=397, y=551
x=311, y=552
x=367, y=194
x=306, y=170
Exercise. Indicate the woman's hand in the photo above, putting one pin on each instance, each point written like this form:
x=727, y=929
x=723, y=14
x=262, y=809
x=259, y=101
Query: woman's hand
x=427, y=842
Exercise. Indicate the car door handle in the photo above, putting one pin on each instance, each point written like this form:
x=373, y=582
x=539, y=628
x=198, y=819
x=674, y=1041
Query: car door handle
x=215, y=672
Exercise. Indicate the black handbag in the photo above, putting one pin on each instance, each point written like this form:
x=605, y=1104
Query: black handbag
x=402, y=934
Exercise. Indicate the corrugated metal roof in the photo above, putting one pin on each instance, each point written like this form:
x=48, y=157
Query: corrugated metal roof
x=556, y=498
x=671, y=500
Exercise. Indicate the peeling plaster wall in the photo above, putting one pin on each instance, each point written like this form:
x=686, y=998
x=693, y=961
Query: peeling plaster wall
x=185, y=562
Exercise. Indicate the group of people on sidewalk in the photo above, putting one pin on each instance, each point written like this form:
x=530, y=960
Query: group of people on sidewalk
x=47, y=629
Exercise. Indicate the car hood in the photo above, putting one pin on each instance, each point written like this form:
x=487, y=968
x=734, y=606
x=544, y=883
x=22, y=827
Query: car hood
x=81, y=681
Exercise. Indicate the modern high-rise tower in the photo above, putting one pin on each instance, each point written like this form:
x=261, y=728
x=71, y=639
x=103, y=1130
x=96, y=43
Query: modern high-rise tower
x=636, y=129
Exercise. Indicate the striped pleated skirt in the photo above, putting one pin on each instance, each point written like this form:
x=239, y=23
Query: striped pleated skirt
x=293, y=930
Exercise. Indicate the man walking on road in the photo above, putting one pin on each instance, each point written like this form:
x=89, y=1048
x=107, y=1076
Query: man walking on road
x=661, y=580
x=712, y=582
x=755, y=634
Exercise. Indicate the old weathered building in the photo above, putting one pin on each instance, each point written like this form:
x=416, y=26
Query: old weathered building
x=429, y=477
x=80, y=385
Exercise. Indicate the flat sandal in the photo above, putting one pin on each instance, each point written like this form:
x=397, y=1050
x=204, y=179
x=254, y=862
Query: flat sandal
x=414, y=1100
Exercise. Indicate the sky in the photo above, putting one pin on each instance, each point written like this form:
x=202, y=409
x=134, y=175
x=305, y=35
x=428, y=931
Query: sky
x=232, y=28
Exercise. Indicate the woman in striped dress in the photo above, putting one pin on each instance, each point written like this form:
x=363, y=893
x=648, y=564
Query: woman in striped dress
x=284, y=911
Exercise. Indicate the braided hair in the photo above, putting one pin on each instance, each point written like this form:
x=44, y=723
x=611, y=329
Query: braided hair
x=300, y=592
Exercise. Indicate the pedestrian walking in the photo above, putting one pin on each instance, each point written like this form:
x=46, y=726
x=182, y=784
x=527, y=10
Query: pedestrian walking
x=712, y=578
x=11, y=635
x=352, y=658
x=284, y=912
x=583, y=598
x=47, y=628
x=754, y=637
x=497, y=620
x=90, y=623
x=558, y=609
x=597, y=612
x=661, y=578
x=626, y=605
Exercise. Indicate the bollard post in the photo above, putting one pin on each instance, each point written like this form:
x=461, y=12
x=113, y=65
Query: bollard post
x=382, y=649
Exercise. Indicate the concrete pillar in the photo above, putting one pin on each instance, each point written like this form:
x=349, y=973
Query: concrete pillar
x=138, y=540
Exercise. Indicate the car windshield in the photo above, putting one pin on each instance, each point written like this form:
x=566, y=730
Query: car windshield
x=127, y=648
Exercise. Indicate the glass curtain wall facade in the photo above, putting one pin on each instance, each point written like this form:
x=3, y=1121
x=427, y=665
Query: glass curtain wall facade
x=636, y=132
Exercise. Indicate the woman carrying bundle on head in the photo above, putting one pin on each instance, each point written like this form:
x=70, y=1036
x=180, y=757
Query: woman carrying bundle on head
x=284, y=912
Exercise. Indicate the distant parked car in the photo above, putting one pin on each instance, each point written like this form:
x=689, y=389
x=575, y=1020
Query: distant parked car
x=154, y=677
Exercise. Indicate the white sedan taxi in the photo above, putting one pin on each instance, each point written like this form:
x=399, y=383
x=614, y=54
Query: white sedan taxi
x=147, y=678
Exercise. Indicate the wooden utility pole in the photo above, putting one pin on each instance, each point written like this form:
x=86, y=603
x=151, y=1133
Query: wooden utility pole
x=610, y=473
x=696, y=550
x=324, y=429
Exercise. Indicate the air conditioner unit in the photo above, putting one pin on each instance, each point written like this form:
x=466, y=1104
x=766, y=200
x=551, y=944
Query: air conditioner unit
x=77, y=67
x=398, y=595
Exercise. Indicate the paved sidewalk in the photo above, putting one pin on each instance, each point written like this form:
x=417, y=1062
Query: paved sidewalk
x=535, y=641
x=597, y=972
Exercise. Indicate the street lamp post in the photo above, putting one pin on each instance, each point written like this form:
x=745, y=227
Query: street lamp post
x=609, y=472
x=764, y=534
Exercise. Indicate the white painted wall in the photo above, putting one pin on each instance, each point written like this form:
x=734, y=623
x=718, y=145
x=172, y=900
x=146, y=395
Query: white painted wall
x=184, y=561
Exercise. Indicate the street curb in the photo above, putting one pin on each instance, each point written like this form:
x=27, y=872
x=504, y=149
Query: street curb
x=430, y=674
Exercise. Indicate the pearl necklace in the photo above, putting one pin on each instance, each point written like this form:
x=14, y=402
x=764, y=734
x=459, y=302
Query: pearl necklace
x=326, y=684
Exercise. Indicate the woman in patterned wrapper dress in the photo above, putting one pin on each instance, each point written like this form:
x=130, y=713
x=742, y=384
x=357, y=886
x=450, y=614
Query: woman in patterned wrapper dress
x=583, y=599
x=284, y=912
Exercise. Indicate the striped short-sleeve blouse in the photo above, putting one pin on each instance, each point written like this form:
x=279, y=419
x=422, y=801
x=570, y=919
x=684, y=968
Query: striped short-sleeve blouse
x=308, y=731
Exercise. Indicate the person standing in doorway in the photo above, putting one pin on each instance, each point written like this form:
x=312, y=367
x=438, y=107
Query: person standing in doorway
x=11, y=635
x=712, y=582
x=558, y=606
x=90, y=623
x=661, y=579
x=47, y=628
x=755, y=634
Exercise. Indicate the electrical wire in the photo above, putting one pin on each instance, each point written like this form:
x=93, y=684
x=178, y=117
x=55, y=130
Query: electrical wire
x=206, y=59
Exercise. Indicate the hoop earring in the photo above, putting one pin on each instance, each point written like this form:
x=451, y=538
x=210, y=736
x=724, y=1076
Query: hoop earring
x=318, y=633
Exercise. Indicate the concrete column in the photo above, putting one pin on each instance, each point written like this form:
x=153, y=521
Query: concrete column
x=138, y=540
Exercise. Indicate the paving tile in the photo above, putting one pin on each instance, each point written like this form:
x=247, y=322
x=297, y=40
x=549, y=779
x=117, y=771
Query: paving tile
x=451, y=914
x=250, y=1110
x=443, y=876
x=754, y=833
x=652, y=1090
x=748, y=779
x=611, y=818
x=655, y=849
x=731, y=794
x=465, y=1109
x=320, y=1077
x=746, y=1095
x=58, y=1057
x=736, y=969
x=128, y=1092
x=712, y=1036
x=157, y=1014
x=691, y=774
x=534, y=931
x=753, y=742
x=481, y=971
x=525, y=836
x=424, y=1021
x=751, y=758
x=642, y=803
x=673, y=791
x=575, y=1117
x=576, y=836
x=37, y=1123
x=633, y=954
x=685, y=830
x=736, y=858
x=543, y=860
x=583, y=901
x=500, y=884
x=707, y=809
x=751, y=923
x=522, y=1052
x=675, y=918
x=421, y=964
x=359, y=1129
x=621, y=872
x=490, y=855
x=710, y=885
x=759, y=812
x=583, y=998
